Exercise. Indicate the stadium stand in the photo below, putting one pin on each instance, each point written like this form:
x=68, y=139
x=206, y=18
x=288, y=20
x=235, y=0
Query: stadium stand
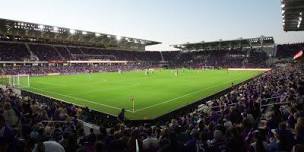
x=13, y=52
x=218, y=58
x=233, y=122
x=45, y=52
x=288, y=50
x=44, y=70
x=64, y=52
x=264, y=114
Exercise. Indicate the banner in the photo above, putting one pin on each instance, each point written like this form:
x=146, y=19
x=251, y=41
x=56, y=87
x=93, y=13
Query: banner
x=298, y=55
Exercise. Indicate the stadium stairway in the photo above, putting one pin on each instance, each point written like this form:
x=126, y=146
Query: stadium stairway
x=161, y=55
x=59, y=54
x=32, y=55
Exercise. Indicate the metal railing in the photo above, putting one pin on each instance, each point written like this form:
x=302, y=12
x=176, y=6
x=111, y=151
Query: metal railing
x=267, y=104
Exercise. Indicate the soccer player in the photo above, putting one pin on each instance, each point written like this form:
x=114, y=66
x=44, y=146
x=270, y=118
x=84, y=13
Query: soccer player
x=90, y=73
x=151, y=71
x=146, y=72
x=176, y=72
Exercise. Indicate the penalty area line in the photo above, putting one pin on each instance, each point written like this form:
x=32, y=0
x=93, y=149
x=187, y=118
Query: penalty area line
x=71, y=97
x=60, y=100
x=167, y=101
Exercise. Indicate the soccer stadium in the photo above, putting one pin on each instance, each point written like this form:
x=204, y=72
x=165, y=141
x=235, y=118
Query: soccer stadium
x=65, y=88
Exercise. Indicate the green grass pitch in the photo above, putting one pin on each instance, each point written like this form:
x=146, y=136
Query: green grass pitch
x=154, y=95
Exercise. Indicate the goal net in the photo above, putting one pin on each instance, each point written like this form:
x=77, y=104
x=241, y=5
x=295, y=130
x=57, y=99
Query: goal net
x=19, y=81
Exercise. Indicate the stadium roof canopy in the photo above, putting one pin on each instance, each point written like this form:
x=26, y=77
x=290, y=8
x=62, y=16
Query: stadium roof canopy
x=32, y=32
x=228, y=44
x=292, y=14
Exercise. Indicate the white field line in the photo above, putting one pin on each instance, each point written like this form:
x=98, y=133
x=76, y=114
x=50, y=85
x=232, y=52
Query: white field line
x=51, y=84
x=88, y=92
x=62, y=100
x=167, y=101
x=85, y=100
x=104, y=90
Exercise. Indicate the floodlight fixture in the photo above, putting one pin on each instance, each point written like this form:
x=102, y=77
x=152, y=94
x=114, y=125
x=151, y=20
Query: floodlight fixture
x=97, y=34
x=40, y=27
x=55, y=29
x=72, y=31
x=118, y=38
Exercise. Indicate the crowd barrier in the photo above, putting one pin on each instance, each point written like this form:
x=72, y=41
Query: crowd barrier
x=249, y=69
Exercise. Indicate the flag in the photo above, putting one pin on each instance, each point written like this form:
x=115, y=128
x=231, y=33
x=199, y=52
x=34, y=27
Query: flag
x=298, y=55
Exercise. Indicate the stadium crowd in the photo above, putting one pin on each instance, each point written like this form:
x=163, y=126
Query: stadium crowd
x=263, y=115
x=289, y=50
x=236, y=58
x=73, y=69
x=246, y=57
x=11, y=52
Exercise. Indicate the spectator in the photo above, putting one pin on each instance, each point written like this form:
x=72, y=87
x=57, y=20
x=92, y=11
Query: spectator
x=299, y=130
x=150, y=143
x=260, y=144
x=10, y=115
x=48, y=146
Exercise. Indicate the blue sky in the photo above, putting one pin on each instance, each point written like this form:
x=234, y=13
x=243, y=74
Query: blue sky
x=167, y=21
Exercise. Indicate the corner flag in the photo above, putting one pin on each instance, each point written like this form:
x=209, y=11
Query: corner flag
x=132, y=99
x=298, y=55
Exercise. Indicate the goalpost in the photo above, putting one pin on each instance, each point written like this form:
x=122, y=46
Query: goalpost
x=19, y=81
